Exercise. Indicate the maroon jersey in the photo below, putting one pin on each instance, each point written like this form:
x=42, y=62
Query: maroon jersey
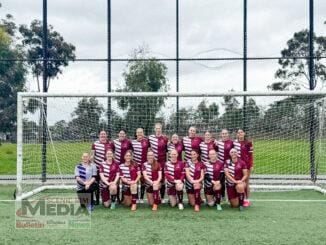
x=129, y=172
x=121, y=147
x=212, y=172
x=174, y=171
x=205, y=148
x=159, y=146
x=190, y=144
x=140, y=150
x=152, y=174
x=235, y=170
x=109, y=171
x=245, y=150
x=195, y=171
x=223, y=149
x=178, y=146
x=100, y=149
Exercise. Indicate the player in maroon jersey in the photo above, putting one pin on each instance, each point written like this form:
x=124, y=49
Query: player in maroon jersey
x=213, y=185
x=175, y=174
x=109, y=173
x=130, y=175
x=175, y=144
x=236, y=173
x=152, y=173
x=191, y=142
x=159, y=145
x=194, y=177
x=98, y=152
x=207, y=145
x=122, y=145
x=140, y=147
x=245, y=150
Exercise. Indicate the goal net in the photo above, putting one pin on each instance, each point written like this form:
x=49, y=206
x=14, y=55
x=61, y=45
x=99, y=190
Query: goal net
x=287, y=129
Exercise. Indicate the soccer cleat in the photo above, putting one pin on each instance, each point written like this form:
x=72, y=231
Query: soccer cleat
x=180, y=206
x=162, y=201
x=197, y=208
x=218, y=207
x=246, y=203
x=90, y=207
x=112, y=205
x=241, y=208
x=141, y=201
x=154, y=208
x=133, y=207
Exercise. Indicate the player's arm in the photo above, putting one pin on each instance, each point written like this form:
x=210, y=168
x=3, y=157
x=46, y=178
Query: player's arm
x=202, y=175
x=89, y=182
x=78, y=179
x=159, y=177
x=167, y=175
x=117, y=176
x=245, y=175
x=228, y=176
x=183, y=175
x=188, y=176
x=146, y=177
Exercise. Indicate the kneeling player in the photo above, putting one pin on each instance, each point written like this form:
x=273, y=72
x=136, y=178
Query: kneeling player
x=175, y=174
x=109, y=173
x=236, y=173
x=152, y=173
x=130, y=175
x=195, y=176
x=213, y=186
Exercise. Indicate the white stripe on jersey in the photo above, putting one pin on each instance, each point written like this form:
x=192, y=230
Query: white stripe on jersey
x=148, y=169
x=191, y=171
x=170, y=169
x=117, y=152
x=220, y=146
x=106, y=173
x=99, y=153
x=203, y=150
x=137, y=150
x=208, y=175
x=125, y=172
x=231, y=168
x=187, y=147
x=153, y=140
x=237, y=146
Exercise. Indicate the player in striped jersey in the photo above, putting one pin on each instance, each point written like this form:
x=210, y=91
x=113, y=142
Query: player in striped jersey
x=130, y=175
x=85, y=173
x=98, y=151
x=152, y=173
x=206, y=146
x=191, y=142
x=109, y=173
x=194, y=177
x=245, y=150
x=175, y=174
x=121, y=145
x=236, y=175
x=175, y=144
x=159, y=145
x=140, y=147
x=212, y=180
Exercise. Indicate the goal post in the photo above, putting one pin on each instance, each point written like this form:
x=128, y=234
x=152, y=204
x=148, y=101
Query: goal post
x=287, y=130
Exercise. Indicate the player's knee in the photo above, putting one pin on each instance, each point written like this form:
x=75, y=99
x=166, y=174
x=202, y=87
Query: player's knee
x=217, y=186
x=133, y=189
x=113, y=189
x=197, y=186
x=240, y=188
x=106, y=204
x=179, y=187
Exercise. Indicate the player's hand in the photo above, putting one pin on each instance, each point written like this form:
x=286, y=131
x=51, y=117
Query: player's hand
x=86, y=186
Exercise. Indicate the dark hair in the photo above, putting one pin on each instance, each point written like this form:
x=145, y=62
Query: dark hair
x=132, y=162
x=155, y=165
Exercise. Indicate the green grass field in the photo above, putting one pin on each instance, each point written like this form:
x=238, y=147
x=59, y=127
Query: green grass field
x=274, y=218
x=270, y=157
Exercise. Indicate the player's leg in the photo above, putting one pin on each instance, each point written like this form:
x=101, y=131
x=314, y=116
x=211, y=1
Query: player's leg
x=105, y=195
x=156, y=196
x=217, y=193
x=240, y=188
x=222, y=180
x=246, y=202
x=162, y=189
x=83, y=198
x=233, y=196
x=113, y=192
x=209, y=194
x=142, y=189
x=127, y=195
x=97, y=189
x=133, y=190
x=172, y=193
x=179, y=190
x=149, y=194
x=197, y=188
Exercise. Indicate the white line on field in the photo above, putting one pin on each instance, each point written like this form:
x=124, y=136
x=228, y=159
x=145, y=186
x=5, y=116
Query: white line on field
x=287, y=200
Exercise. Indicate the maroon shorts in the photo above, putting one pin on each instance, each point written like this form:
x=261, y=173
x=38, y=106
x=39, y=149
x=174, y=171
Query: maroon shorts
x=232, y=192
x=126, y=190
x=105, y=194
x=149, y=189
x=209, y=191
x=190, y=191
x=172, y=191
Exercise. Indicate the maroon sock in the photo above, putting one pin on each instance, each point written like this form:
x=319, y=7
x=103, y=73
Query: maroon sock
x=217, y=196
x=180, y=196
x=156, y=197
x=241, y=198
x=197, y=197
x=133, y=198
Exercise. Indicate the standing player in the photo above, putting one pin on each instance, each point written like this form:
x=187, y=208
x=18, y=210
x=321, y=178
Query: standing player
x=99, y=149
x=159, y=145
x=213, y=186
x=152, y=173
x=191, y=142
x=140, y=146
x=122, y=145
x=207, y=145
x=85, y=174
x=175, y=174
x=245, y=150
x=236, y=175
x=194, y=177
x=109, y=173
x=175, y=144
x=130, y=175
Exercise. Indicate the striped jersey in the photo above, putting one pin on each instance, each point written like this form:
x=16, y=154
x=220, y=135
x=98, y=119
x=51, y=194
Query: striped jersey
x=235, y=170
x=223, y=149
x=121, y=147
x=174, y=171
x=140, y=149
x=159, y=146
x=190, y=144
x=109, y=171
x=212, y=172
x=178, y=146
x=129, y=172
x=195, y=172
x=100, y=150
x=205, y=148
x=151, y=173
x=85, y=172
x=245, y=150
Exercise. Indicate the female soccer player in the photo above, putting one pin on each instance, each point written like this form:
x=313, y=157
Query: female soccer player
x=140, y=147
x=236, y=173
x=175, y=174
x=130, y=175
x=245, y=150
x=191, y=142
x=109, y=173
x=152, y=173
x=122, y=145
x=98, y=151
x=212, y=182
x=195, y=175
x=175, y=144
x=159, y=145
x=206, y=146
x=85, y=173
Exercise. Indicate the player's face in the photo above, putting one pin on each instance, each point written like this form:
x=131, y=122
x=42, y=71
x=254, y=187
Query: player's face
x=85, y=158
x=225, y=134
x=212, y=155
x=208, y=136
x=140, y=133
x=194, y=156
x=158, y=129
x=240, y=134
x=150, y=157
x=122, y=135
x=109, y=155
x=103, y=136
x=233, y=154
x=175, y=138
x=174, y=155
x=192, y=132
x=128, y=157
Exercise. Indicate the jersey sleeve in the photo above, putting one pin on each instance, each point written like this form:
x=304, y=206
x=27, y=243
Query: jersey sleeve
x=76, y=171
x=94, y=170
x=183, y=173
x=167, y=175
x=93, y=147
